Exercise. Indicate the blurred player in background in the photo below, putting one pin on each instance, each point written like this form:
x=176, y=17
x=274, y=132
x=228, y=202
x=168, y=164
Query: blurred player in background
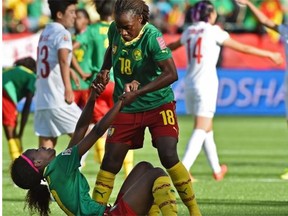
x=203, y=41
x=81, y=64
x=282, y=29
x=18, y=83
x=55, y=110
x=81, y=68
x=95, y=39
x=144, y=67
x=70, y=188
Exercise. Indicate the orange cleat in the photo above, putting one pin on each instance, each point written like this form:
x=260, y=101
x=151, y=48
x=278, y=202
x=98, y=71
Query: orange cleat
x=219, y=176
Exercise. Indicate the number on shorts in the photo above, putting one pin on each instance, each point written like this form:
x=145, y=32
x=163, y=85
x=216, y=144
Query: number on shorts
x=168, y=117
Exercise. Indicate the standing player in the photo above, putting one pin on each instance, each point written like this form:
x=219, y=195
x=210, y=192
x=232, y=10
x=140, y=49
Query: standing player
x=283, y=31
x=18, y=83
x=96, y=41
x=81, y=60
x=70, y=189
x=203, y=41
x=55, y=111
x=143, y=63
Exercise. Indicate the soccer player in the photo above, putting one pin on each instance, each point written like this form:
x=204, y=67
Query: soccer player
x=55, y=111
x=95, y=40
x=144, y=67
x=18, y=83
x=203, y=41
x=283, y=31
x=80, y=83
x=70, y=189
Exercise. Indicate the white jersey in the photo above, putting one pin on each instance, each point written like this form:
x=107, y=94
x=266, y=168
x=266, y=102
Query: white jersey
x=202, y=42
x=49, y=84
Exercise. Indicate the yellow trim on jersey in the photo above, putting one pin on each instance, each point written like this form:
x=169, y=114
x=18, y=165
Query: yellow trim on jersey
x=135, y=39
x=57, y=199
x=26, y=69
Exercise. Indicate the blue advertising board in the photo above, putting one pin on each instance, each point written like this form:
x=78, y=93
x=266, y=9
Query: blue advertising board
x=243, y=92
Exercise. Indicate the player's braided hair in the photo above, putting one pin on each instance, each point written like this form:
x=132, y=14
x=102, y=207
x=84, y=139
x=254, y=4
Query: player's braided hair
x=201, y=11
x=104, y=8
x=136, y=7
x=25, y=177
x=27, y=62
x=59, y=6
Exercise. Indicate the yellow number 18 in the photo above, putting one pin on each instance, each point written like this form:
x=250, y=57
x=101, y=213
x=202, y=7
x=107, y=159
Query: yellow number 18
x=168, y=117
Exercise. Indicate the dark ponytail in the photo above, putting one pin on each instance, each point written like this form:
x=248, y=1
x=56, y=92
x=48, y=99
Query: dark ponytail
x=38, y=195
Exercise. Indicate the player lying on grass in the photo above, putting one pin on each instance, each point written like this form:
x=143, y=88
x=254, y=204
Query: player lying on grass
x=70, y=189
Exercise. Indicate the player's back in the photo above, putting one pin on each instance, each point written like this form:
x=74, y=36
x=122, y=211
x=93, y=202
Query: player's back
x=49, y=85
x=203, y=50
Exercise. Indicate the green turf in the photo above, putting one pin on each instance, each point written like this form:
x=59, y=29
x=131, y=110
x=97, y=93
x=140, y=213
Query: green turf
x=254, y=148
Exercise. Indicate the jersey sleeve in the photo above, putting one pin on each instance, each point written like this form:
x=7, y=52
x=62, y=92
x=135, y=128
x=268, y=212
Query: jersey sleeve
x=111, y=32
x=64, y=40
x=219, y=34
x=157, y=47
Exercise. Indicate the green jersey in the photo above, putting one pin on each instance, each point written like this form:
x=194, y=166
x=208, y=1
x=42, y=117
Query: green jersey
x=83, y=57
x=98, y=36
x=137, y=60
x=18, y=82
x=69, y=187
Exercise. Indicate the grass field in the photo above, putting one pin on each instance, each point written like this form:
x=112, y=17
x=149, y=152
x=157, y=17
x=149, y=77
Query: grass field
x=254, y=148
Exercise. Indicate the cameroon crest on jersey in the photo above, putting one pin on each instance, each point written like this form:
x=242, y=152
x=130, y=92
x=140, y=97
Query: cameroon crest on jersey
x=137, y=54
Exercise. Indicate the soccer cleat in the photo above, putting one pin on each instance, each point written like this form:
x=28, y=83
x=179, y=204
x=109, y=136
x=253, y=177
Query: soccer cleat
x=284, y=176
x=219, y=176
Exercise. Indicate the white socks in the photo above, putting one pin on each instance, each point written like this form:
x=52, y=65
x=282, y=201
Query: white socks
x=198, y=140
x=194, y=147
x=210, y=150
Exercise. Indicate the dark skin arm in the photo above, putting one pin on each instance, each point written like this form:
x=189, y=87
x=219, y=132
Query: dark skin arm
x=25, y=114
x=167, y=77
x=85, y=118
x=174, y=45
x=99, y=129
x=103, y=76
x=86, y=142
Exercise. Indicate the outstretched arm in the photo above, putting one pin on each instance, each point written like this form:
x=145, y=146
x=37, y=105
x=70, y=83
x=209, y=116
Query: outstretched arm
x=85, y=118
x=99, y=129
x=240, y=47
x=167, y=77
x=263, y=19
x=174, y=45
x=103, y=76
